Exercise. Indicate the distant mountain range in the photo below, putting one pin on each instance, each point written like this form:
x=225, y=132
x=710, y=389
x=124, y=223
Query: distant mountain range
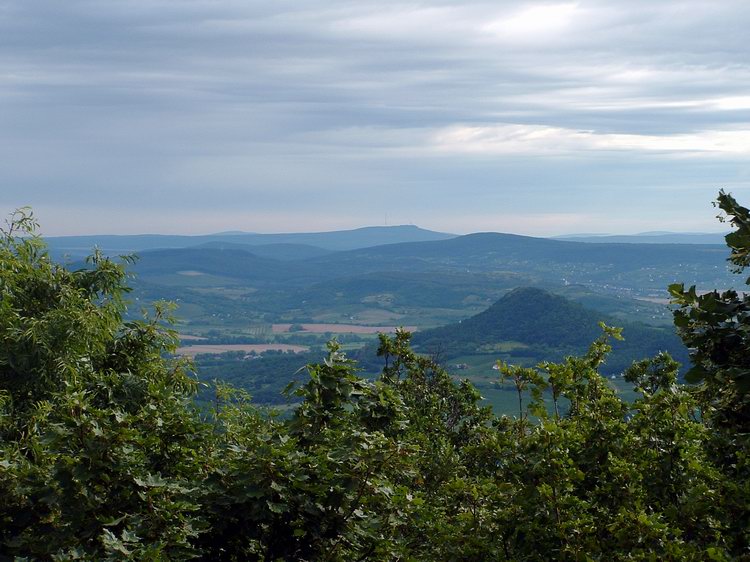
x=649, y=238
x=300, y=245
x=79, y=246
x=537, y=259
x=621, y=265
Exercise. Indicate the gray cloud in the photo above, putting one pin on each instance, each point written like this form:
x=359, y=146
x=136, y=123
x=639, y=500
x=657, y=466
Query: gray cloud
x=456, y=115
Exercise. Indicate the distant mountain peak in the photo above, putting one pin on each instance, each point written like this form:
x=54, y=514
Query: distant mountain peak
x=522, y=294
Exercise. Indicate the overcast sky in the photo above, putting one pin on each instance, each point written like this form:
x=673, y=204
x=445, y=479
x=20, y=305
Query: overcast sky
x=537, y=118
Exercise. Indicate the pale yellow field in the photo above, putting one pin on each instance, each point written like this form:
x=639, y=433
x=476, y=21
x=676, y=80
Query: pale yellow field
x=186, y=337
x=340, y=328
x=193, y=350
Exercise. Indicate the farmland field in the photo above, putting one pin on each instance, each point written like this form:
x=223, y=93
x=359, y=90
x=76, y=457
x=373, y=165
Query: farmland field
x=193, y=350
x=187, y=337
x=320, y=328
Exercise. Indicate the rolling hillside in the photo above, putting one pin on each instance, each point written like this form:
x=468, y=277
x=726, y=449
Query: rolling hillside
x=426, y=283
x=632, y=266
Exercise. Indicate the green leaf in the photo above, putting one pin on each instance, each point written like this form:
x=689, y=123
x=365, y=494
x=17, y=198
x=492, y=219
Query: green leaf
x=696, y=374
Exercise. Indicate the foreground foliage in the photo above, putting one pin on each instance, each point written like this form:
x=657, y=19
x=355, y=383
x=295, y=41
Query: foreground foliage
x=104, y=455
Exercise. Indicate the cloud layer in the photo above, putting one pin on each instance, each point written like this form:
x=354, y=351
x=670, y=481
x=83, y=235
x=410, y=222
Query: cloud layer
x=534, y=117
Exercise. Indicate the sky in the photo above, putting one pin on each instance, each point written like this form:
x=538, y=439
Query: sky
x=539, y=118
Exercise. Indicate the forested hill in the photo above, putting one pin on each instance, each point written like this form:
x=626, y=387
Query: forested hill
x=527, y=315
x=548, y=325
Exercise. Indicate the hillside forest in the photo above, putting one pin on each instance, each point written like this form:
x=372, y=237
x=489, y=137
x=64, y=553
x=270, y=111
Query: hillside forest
x=112, y=447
